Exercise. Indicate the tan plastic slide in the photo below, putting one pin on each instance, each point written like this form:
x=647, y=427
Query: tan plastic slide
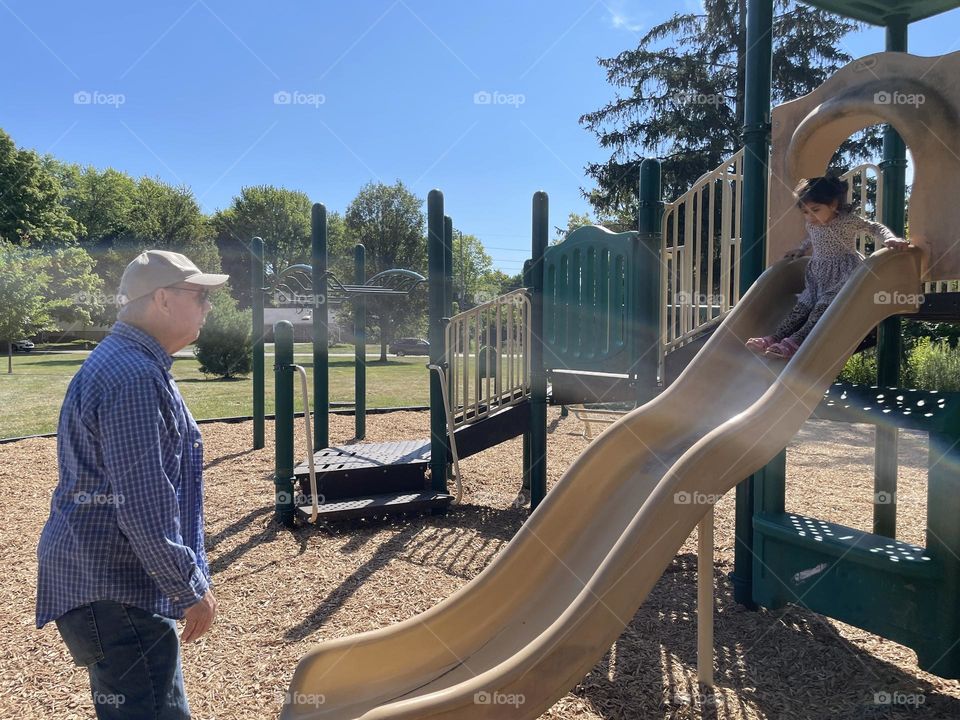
x=539, y=617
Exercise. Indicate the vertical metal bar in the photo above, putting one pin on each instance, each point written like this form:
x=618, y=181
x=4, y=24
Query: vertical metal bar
x=649, y=240
x=711, y=245
x=439, y=450
x=889, y=337
x=359, y=345
x=538, y=384
x=321, y=329
x=753, y=209
x=258, y=330
x=726, y=205
x=283, y=425
x=705, y=599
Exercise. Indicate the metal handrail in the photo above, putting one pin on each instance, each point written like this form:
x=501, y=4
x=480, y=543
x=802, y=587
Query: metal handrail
x=451, y=427
x=696, y=294
x=488, y=357
x=693, y=293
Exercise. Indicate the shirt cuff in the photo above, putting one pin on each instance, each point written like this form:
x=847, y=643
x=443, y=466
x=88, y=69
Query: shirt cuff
x=193, y=593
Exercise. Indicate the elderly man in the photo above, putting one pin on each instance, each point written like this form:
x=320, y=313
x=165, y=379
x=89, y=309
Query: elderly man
x=121, y=556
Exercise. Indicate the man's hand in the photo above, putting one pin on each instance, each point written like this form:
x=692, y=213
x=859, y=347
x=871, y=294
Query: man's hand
x=199, y=617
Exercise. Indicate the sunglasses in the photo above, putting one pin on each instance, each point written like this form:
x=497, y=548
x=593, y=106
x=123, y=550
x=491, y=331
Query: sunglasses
x=202, y=295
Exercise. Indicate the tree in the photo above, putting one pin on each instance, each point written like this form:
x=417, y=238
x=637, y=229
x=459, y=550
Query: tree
x=100, y=201
x=74, y=293
x=161, y=217
x=683, y=95
x=280, y=216
x=31, y=211
x=225, y=345
x=23, y=280
x=389, y=221
x=471, y=264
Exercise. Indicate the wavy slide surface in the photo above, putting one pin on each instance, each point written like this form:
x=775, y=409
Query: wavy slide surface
x=539, y=617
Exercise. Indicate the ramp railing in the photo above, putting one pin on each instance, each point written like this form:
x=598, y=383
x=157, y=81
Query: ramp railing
x=488, y=357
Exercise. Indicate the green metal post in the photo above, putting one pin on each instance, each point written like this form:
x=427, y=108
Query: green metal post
x=321, y=330
x=647, y=331
x=256, y=295
x=538, y=376
x=437, y=293
x=360, y=345
x=283, y=425
x=756, y=142
x=889, y=340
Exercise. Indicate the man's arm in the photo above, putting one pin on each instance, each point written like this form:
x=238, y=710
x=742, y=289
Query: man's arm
x=137, y=440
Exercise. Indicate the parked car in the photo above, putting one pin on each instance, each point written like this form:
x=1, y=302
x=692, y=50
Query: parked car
x=410, y=346
x=22, y=346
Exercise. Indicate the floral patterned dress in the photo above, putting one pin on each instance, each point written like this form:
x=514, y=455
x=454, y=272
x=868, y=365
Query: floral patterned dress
x=835, y=257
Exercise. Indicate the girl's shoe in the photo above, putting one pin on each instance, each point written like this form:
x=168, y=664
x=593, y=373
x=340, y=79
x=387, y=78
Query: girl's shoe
x=760, y=344
x=783, y=350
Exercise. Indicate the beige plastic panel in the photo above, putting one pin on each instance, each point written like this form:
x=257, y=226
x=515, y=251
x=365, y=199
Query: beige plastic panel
x=920, y=97
x=548, y=607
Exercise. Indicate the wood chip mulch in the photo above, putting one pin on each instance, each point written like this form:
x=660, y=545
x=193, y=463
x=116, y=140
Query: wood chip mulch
x=280, y=591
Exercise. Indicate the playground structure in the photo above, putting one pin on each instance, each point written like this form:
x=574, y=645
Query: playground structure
x=484, y=391
x=532, y=624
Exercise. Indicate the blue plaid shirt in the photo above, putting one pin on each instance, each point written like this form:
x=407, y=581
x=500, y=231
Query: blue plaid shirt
x=126, y=518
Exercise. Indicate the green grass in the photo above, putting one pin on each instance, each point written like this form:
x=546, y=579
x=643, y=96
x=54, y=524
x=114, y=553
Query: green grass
x=31, y=397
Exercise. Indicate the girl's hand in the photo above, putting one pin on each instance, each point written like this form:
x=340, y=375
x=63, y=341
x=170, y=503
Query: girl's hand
x=794, y=254
x=896, y=244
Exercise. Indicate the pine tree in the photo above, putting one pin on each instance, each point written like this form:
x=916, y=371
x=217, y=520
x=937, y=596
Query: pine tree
x=680, y=95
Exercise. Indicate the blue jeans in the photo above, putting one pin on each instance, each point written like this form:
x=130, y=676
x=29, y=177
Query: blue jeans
x=133, y=658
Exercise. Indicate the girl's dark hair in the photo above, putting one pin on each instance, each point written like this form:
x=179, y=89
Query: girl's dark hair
x=823, y=191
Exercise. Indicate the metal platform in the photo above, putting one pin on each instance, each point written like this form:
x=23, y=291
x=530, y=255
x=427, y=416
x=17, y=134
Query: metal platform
x=378, y=505
x=366, y=469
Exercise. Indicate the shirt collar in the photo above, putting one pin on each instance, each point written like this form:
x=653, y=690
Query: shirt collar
x=147, y=341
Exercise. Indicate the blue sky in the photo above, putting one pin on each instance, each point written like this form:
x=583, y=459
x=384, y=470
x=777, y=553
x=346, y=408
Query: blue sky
x=374, y=90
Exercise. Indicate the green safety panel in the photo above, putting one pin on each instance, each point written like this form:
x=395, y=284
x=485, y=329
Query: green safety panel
x=590, y=301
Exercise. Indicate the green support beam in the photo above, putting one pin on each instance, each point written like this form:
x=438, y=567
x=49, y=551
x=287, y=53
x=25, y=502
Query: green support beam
x=359, y=345
x=256, y=297
x=649, y=225
x=321, y=331
x=538, y=375
x=283, y=424
x=756, y=142
x=889, y=333
x=438, y=310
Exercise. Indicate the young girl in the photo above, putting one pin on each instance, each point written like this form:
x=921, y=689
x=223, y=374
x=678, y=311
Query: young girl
x=832, y=229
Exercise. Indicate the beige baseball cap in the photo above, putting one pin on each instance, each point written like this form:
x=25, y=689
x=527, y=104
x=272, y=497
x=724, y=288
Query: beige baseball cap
x=155, y=269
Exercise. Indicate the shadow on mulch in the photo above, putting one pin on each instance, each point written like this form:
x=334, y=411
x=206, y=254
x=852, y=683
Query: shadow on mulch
x=432, y=544
x=788, y=663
